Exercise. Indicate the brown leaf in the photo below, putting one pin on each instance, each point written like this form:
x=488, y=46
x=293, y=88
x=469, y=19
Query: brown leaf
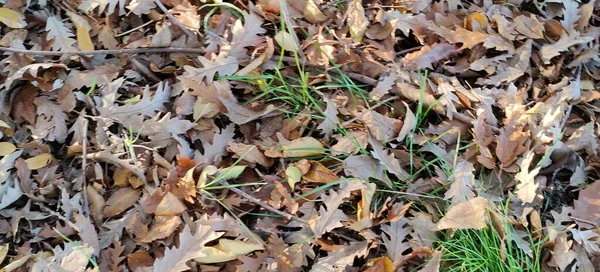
x=139, y=259
x=190, y=247
x=162, y=227
x=121, y=200
x=318, y=173
x=587, y=205
x=249, y=153
x=383, y=128
x=170, y=205
x=511, y=144
x=529, y=26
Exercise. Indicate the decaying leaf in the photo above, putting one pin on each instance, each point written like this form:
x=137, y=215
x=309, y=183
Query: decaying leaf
x=121, y=200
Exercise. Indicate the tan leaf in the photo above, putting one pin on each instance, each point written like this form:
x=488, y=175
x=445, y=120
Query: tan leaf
x=389, y=162
x=163, y=38
x=301, y=147
x=384, y=85
x=526, y=189
x=121, y=200
x=471, y=214
x=463, y=181
x=227, y=250
x=511, y=144
x=410, y=122
x=170, y=205
x=87, y=232
x=84, y=41
x=39, y=161
x=549, y=51
x=357, y=21
x=587, y=206
x=428, y=55
x=350, y=143
x=395, y=240
x=12, y=18
x=529, y=26
x=162, y=227
x=383, y=128
x=7, y=148
x=286, y=41
x=312, y=13
x=249, y=153
x=562, y=255
x=318, y=173
x=224, y=66
x=433, y=265
x=331, y=121
x=97, y=203
x=241, y=115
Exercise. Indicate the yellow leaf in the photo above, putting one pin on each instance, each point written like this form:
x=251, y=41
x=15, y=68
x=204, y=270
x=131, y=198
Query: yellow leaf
x=39, y=161
x=302, y=147
x=471, y=214
x=293, y=175
x=3, y=252
x=84, y=40
x=170, y=205
x=12, y=18
x=286, y=41
x=7, y=148
x=226, y=250
x=312, y=13
x=381, y=264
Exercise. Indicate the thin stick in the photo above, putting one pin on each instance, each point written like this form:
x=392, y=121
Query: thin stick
x=174, y=20
x=83, y=166
x=367, y=110
x=107, y=156
x=262, y=204
x=134, y=29
x=106, y=52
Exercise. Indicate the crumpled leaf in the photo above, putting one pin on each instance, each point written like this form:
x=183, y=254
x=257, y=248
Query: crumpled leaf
x=549, y=51
x=121, y=200
x=357, y=20
x=224, y=66
x=383, y=128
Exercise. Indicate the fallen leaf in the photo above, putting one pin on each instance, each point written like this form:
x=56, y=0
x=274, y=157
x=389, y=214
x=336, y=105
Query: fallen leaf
x=286, y=41
x=357, y=21
x=84, y=41
x=383, y=128
x=549, y=51
x=39, y=161
x=312, y=13
x=395, y=240
x=12, y=18
x=301, y=147
x=470, y=214
x=121, y=200
x=318, y=173
x=170, y=205
x=7, y=148
x=162, y=227
x=227, y=250
x=61, y=35
x=190, y=247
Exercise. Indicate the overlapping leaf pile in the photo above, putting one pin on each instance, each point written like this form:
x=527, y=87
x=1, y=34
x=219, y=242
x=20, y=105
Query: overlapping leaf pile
x=298, y=135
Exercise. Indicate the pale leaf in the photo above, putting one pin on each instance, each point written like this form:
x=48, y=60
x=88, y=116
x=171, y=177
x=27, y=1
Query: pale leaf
x=139, y=7
x=89, y=5
x=223, y=66
x=244, y=36
x=589, y=239
x=562, y=255
x=395, y=240
x=549, y=51
x=331, y=121
x=87, y=232
x=383, y=128
x=312, y=13
x=433, y=265
x=241, y=115
x=214, y=151
x=170, y=205
x=364, y=167
x=428, y=55
x=471, y=214
x=526, y=189
x=357, y=21
x=463, y=180
x=330, y=216
x=51, y=120
x=162, y=227
x=61, y=35
x=409, y=124
x=190, y=247
x=583, y=139
x=301, y=147
x=7, y=148
x=286, y=41
x=339, y=259
x=84, y=41
x=350, y=143
x=587, y=206
x=249, y=153
x=227, y=250
x=383, y=87
x=389, y=162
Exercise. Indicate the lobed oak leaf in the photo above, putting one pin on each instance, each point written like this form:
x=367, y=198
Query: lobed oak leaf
x=351, y=143
x=329, y=217
x=89, y=5
x=87, y=233
x=214, y=151
x=463, y=181
x=190, y=247
x=61, y=35
x=51, y=123
x=364, y=167
x=337, y=261
x=224, y=66
x=244, y=36
x=395, y=240
x=529, y=26
x=562, y=255
x=587, y=206
x=527, y=187
x=549, y=51
x=389, y=162
x=241, y=115
x=162, y=227
x=331, y=122
x=318, y=173
x=357, y=21
x=384, y=85
x=383, y=128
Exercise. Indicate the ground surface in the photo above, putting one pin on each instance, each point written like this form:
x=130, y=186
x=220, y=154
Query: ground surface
x=299, y=136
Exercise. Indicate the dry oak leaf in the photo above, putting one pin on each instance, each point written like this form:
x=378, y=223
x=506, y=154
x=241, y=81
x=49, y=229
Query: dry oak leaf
x=190, y=246
x=162, y=227
x=471, y=214
x=364, y=167
x=312, y=13
x=239, y=114
x=331, y=121
x=249, y=153
x=395, y=240
x=428, y=55
x=388, y=161
x=61, y=35
x=329, y=216
x=121, y=200
x=337, y=261
x=462, y=185
x=527, y=187
x=357, y=21
x=351, y=143
x=587, y=206
x=562, y=255
x=529, y=26
x=227, y=250
x=383, y=128
x=224, y=66
x=549, y=51
x=244, y=36
x=511, y=143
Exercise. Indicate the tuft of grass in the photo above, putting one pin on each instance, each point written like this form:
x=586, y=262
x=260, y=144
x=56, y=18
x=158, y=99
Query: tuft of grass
x=488, y=250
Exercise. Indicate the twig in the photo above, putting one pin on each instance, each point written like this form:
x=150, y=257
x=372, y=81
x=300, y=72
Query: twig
x=106, y=52
x=107, y=156
x=356, y=76
x=262, y=204
x=83, y=167
x=174, y=20
x=344, y=124
x=134, y=29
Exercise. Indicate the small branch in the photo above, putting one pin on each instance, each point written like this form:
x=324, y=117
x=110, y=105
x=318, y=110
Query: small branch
x=134, y=29
x=83, y=167
x=174, y=20
x=262, y=204
x=107, y=156
x=106, y=52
